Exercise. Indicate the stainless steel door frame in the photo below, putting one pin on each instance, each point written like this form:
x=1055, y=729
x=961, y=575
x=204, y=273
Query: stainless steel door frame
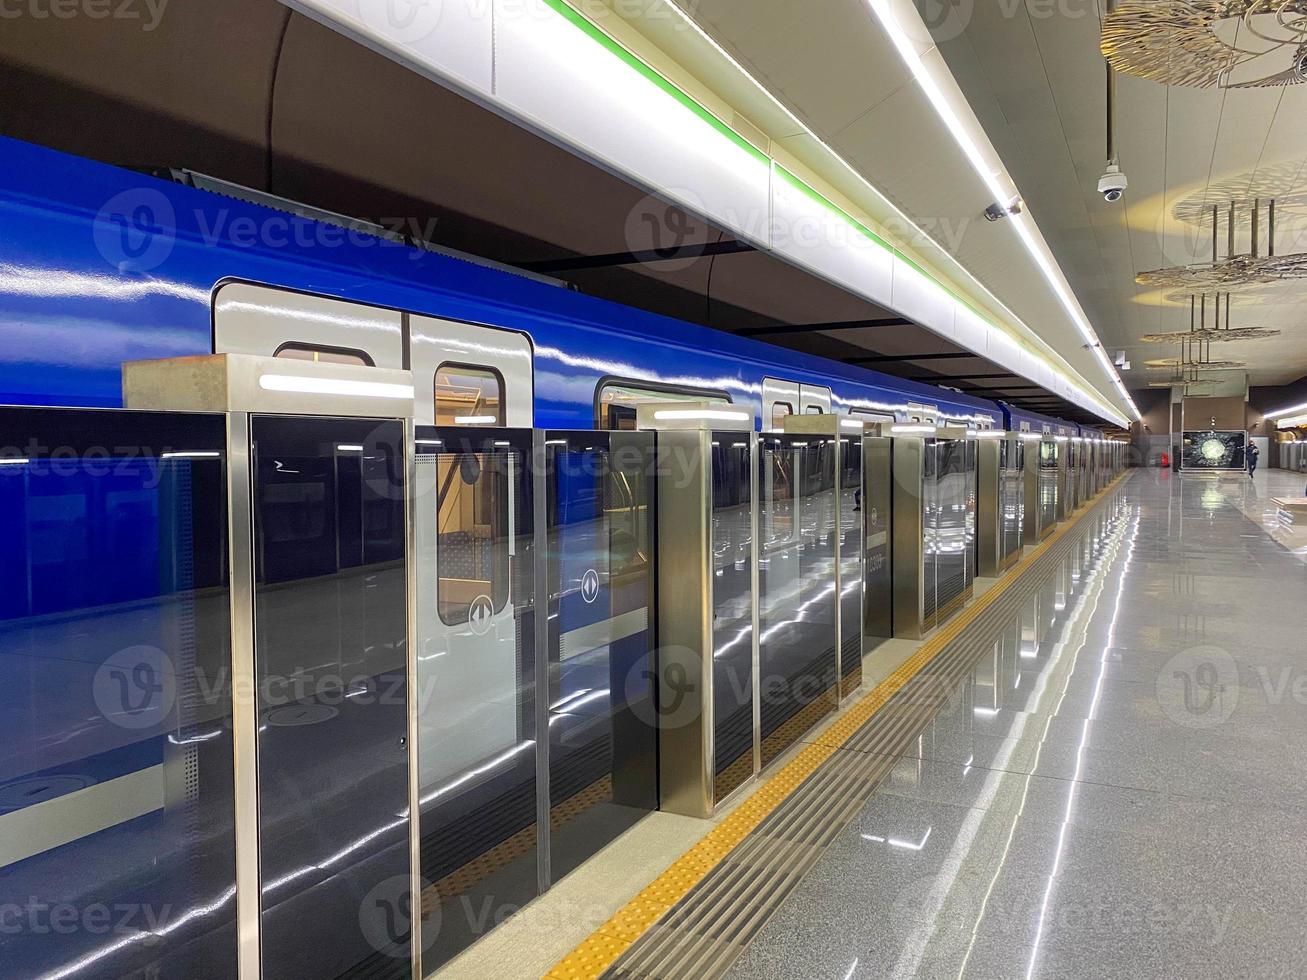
x=687, y=749
x=240, y=386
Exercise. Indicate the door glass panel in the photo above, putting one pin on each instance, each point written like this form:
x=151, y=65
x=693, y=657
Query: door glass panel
x=851, y=548
x=797, y=601
x=475, y=681
x=1011, y=495
x=732, y=535
x=878, y=585
x=468, y=395
x=1047, y=486
x=116, y=788
x=330, y=599
x=603, y=739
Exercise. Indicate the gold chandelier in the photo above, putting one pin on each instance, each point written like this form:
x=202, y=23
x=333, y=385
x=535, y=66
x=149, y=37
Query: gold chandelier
x=1209, y=43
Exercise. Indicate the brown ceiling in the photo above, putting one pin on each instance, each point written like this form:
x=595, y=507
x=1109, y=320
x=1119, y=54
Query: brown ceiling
x=252, y=93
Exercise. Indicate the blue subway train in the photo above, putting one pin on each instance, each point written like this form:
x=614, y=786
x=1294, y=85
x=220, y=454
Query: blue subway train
x=117, y=793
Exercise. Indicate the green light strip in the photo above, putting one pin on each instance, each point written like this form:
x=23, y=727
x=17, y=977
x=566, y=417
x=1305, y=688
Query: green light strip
x=574, y=17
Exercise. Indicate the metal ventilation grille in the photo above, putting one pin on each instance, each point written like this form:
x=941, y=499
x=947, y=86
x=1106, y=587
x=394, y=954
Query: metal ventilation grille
x=707, y=930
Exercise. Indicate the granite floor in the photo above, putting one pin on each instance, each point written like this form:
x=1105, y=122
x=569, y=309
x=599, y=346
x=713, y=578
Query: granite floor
x=1115, y=791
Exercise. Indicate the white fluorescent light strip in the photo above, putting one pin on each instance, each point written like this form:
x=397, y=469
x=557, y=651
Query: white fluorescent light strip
x=850, y=424
x=1296, y=410
x=188, y=454
x=476, y=420
x=14, y=462
x=905, y=430
x=301, y=385
x=986, y=433
x=344, y=448
x=723, y=53
x=973, y=153
x=707, y=415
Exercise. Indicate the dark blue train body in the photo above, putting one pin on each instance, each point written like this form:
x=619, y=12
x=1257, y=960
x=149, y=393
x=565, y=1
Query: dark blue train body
x=100, y=265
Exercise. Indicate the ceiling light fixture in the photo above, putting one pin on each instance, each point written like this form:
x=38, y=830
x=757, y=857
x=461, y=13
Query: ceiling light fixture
x=1015, y=206
x=1002, y=189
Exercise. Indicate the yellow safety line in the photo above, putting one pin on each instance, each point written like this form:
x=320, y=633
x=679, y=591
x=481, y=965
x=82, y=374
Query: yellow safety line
x=598, y=952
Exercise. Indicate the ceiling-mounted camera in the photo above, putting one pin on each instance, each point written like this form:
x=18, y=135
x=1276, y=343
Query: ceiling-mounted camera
x=1112, y=184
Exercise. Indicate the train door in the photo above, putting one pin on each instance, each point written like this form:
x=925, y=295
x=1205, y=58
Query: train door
x=779, y=399
x=814, y=400
x=475, y=596
x=250, y=319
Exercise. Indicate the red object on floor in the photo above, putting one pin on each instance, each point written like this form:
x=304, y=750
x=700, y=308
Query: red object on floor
x=1166, y=461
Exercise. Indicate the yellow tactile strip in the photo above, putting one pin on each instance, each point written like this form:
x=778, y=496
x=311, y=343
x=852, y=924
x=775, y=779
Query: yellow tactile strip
x=607, y=943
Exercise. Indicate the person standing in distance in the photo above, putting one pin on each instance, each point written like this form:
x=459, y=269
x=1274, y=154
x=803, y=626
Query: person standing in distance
x=1253, y=453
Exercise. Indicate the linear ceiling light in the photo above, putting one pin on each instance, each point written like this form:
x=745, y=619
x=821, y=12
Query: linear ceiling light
x=1000, y=185
x=1096, y=405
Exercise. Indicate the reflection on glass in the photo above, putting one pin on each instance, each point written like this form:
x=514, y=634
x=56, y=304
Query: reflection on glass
x=475, y=681
x=1048, y=455
x=851, y=545
x=467, y=395
x=603, y=747
x=732, y=542
x=116, y=787
x=330, y=603
x=1011, y=496
x=797, y=603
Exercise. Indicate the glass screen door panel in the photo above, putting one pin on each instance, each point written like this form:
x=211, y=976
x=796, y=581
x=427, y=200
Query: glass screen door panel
x=116, y=788
x=603, y=738
x=476, y=670
x=851, y=556
x=1047, y=487
x=797, y=601
x=733, y=681
x=330, y=606
x=953, y=489
x=877, y=503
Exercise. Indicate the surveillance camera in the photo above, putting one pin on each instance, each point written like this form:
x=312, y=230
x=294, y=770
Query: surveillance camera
x=1112, y=184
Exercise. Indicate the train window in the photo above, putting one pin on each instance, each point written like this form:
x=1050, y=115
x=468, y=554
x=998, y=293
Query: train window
x=616, y=401
x=323, y=355
x=473, y=532
x=469, y=395
x=814, y=410
x=778, y=412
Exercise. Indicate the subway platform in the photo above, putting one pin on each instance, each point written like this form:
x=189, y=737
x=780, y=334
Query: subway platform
x=1092, y=772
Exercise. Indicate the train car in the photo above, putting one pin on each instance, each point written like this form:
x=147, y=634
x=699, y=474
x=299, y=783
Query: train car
x=102, y=265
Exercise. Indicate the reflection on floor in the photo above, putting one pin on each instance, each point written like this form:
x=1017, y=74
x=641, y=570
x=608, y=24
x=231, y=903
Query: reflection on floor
x=1112, y=788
